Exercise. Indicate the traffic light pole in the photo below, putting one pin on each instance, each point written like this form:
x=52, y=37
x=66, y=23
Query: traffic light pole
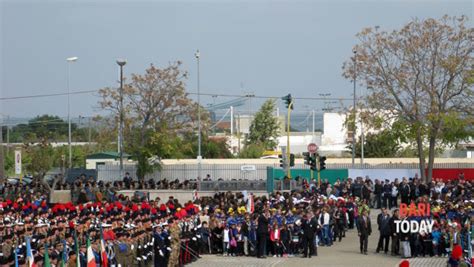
x=288, y=138
x=319, y=178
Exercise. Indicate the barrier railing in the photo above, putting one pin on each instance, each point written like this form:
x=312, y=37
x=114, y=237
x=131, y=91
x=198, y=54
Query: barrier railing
x=237, y=185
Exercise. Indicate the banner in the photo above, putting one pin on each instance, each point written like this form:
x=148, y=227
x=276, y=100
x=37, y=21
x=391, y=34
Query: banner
x=17, y=162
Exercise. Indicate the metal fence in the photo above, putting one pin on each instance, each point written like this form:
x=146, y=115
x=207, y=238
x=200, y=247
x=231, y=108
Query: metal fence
x=240, y=185
x=399, y=166
x=216, y=171
x=246, y=171
x=109, y=173
x=190, y=171
x=287, y=185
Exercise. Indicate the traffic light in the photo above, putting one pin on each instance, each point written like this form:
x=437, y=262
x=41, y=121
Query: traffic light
x=288, y=99
x=292, y=160
x=322, y=163
x=306, y=157
x=282, y=161
x=312, y=162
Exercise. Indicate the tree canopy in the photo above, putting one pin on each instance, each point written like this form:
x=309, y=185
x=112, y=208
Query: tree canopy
x=421, y=75
x=264, y=129
x=157, y=112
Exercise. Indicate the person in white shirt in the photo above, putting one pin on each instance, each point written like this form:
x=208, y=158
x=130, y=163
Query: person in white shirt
x=326, y=218
x=225, y=240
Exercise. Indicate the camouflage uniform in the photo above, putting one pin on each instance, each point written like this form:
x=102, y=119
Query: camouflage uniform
x=123, y=254
x=175, y=245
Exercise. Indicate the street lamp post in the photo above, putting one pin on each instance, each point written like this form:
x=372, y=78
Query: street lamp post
x=69, y=60
x=354, y=109
x=199, y=157
x=121, y=63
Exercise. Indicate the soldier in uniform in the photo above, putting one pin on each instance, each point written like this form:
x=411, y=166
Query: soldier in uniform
x=175, y=232
x=7, y=251
x=167, y=238
x=159, y=246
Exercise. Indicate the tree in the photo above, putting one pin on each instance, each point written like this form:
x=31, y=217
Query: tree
x=420, y=75
x=264, y=128
x=216, y=148
x=252, y=151
x=106, y=133
x=155, y=101
x=50, y=127
x=383, y=144
x=39, y=159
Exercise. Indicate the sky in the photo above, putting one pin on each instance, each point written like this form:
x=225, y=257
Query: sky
x=267, y=48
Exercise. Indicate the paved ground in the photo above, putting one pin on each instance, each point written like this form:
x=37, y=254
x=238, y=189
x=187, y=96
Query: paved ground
x=345, y=253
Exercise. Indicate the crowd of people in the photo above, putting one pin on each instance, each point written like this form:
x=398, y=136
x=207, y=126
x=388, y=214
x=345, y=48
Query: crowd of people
x=104, y=227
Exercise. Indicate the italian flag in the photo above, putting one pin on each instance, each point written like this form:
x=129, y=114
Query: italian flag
x=103, y=253
x=90, y=255
x=250, y=204
x=78, y=259
x=29, y=255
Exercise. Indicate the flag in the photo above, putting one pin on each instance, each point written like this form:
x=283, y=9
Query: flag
x=64, y=256
x=47, y=263
x=250, y=204
x=16, y=257
x=469, y=247
x=29, y=255
x=90, y=255
x=245, y=194
x=103, y=253
x=77, y=245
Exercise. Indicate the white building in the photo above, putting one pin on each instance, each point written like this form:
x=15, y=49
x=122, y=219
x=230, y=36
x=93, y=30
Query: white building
x=108, y=157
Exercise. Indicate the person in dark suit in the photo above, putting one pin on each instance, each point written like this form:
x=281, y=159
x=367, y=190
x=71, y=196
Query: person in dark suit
x=309, y=226
x=393, y=232
x=262, y=234
x=387, y=194
x=364, y=229
x=378, y=190
x=383, y=221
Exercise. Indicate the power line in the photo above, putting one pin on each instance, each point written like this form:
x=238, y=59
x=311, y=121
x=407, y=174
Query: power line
x=275, y=97
x=47, y=95
x=190, y=93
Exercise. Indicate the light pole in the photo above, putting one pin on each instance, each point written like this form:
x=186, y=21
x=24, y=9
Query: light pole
x=69, y=60
x=121, y=63
x=2, y=156
x=354, y=59
x=199, y=157
x=361, y=142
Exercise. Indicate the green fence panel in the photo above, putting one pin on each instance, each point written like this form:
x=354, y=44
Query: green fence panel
x=330, y=174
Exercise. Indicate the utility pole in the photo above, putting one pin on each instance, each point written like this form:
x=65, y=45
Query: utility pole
x=313, y=133
x=238, y=130
x=199, y=157
x=231, y=121
x=289, y=105
x=2, y=164
x=121, y=63
x=8, y=134
x=354, y=109
x=69, y=60
x=90, y=130
x=361, y=142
